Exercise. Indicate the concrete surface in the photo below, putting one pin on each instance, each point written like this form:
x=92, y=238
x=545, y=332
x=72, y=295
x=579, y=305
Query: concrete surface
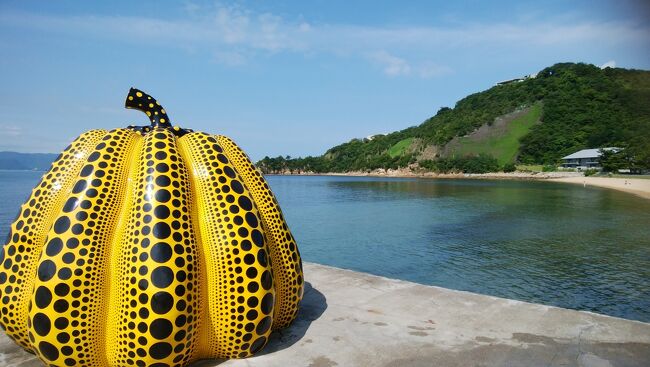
x=355, y=319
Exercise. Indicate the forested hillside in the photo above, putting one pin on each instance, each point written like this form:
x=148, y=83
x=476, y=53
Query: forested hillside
x=582, y=106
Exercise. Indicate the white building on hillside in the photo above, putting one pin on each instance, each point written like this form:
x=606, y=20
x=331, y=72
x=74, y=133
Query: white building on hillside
x=586, y=158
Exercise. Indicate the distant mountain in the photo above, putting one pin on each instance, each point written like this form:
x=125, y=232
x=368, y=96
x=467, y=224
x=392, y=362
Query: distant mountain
x=536, y=119
x=26, y=161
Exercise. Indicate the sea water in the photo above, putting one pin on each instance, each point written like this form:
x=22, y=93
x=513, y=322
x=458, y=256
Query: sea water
x=552, y=243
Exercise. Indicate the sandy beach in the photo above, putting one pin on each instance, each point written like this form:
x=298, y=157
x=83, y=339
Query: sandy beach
x=638, y=186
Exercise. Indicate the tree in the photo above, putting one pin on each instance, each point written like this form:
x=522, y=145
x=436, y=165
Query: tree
x=612, y=160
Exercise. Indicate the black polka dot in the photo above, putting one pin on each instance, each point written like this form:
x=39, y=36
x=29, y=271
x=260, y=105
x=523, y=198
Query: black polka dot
x=237, y=187
x=70, y=204
x=68, y=257
x=41, y=324
x=161, y=328
x=88, y=169
x=79, y=187
x=267, y=281
x=180, y=321
x=93, y=157
x=46, y=270
x=264, y=325
x=162, y=277
x=258, y=344
x=61, y=306
x=54, y=246
x=72, y=243
x=163, y=195
x=245, y=203
x=251, y=219
x=161, y=252
x=160, y=350
x=162, y=167
x=66, y=350
x=48, y=350
x=251, y=315
x=61, y=225
x=61, y=323
x=222, y=158
x=77, y=228
x=43, y=297
x=253, y=287
x=161, y=212
x=63, y=338
x=249, y=259
x=251, y=273
x=246, y=245
x=62, y=289
x=229, y=172
x=65, y=274
x=262, y=258
x=267, y=303
x=161, y=230
x=163, y=181
x=258, y=237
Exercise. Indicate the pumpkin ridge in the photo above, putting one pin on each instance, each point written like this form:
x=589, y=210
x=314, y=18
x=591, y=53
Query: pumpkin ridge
x=240, y=289
x=67, y=322
x=158, y=310
x=112, y=285
x=28, y=235
x=285, y=257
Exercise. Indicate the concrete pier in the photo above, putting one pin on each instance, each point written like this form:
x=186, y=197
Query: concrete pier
x=354, y=319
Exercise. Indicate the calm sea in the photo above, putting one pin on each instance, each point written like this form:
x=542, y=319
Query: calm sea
x=551, y=243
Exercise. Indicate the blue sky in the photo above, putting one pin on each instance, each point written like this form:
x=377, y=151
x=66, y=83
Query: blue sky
x=285, y=77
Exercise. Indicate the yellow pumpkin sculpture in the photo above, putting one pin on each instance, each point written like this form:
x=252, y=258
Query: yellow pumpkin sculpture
x=148, y=246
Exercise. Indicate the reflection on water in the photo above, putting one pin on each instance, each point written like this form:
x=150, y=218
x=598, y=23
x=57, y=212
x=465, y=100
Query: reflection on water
x=551, y=243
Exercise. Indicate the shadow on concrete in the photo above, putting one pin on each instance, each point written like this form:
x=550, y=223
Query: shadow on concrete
x=312, y=306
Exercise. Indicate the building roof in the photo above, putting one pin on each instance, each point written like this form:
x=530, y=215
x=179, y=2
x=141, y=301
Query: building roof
x=589, y=153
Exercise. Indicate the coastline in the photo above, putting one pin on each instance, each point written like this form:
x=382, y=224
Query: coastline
x=636, y=186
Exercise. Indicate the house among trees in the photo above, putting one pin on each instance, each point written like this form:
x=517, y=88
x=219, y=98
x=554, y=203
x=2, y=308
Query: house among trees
x=586, y=158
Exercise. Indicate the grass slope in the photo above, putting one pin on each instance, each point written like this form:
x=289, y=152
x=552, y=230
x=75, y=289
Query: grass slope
x=502, y=145
x=399, y=148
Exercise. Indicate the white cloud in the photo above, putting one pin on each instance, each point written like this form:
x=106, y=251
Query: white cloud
x=608, y=64
x=233, y=35
x=431, y=70
x=390, y=64
x=393, y=66
x=230, y=58
x=10, y=130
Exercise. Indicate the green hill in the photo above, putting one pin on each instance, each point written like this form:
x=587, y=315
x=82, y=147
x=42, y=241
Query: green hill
x=565, y=108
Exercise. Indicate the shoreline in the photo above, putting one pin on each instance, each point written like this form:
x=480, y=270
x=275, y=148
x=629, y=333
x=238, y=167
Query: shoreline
x=636, y=186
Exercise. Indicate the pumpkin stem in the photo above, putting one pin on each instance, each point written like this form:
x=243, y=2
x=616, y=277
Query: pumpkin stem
x=141, y=101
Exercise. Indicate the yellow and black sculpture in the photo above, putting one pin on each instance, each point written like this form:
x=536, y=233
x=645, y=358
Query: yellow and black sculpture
x=148, y=246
